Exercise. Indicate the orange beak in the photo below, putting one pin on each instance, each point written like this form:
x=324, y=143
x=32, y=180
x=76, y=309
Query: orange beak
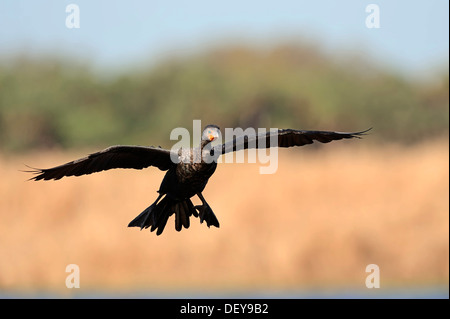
x=211, y=137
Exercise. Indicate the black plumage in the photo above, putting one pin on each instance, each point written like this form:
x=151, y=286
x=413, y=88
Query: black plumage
x=185, y=177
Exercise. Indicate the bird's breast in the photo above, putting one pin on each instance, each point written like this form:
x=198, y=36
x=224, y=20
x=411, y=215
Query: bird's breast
x=190, y=172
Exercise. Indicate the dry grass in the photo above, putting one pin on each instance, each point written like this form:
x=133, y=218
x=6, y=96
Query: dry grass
x=318, y=222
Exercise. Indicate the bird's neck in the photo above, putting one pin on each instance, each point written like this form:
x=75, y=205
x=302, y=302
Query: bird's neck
x=206, y=151
x=203, y=144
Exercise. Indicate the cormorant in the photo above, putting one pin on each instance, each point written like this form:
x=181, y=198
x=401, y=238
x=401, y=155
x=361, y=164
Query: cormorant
x=187, y=176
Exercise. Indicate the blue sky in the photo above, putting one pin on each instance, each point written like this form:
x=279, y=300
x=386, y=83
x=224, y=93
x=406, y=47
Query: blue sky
x=413, y=35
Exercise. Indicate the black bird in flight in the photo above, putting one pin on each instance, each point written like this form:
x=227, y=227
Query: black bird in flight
x=187, y=175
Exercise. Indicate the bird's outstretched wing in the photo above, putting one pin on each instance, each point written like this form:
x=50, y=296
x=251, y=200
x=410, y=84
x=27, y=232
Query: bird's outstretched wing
x=283, y=138
x=120, y=156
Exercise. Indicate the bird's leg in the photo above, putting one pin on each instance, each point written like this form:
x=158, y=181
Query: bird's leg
x=206, y=213
x=203, y=206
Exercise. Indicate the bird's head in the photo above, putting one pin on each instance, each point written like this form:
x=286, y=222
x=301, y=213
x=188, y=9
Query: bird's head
x=210, y=133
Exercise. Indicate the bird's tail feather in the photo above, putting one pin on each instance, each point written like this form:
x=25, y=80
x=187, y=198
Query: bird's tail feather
x=157, y=214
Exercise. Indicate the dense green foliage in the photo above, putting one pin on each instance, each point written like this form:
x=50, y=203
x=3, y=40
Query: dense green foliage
x=52, y=103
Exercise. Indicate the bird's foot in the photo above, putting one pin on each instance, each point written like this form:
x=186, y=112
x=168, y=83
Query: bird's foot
x=206, y=214
x=144, y=219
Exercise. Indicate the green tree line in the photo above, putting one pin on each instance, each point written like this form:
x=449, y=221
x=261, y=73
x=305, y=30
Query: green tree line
x=54, y=102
